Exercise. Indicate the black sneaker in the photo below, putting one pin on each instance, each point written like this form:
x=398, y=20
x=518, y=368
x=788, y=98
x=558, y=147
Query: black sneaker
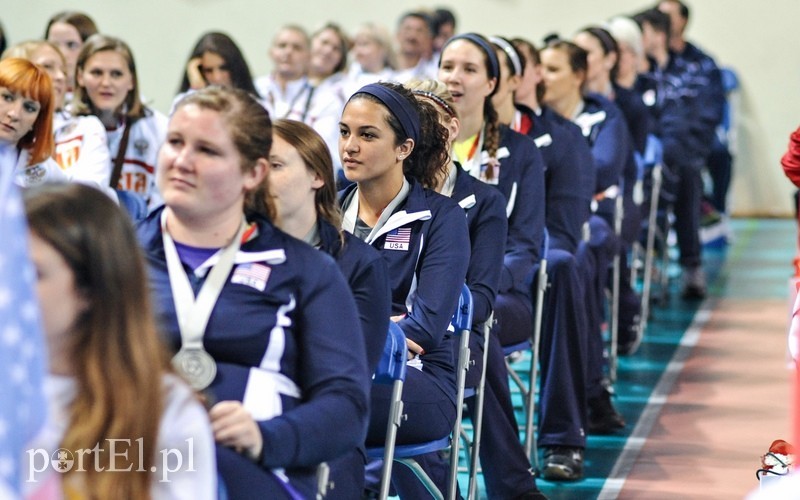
x=562, y=463
x=694, y=283
x=603, y=417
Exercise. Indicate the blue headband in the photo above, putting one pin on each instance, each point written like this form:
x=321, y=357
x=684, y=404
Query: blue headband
x=404, y=111
x=494, y=64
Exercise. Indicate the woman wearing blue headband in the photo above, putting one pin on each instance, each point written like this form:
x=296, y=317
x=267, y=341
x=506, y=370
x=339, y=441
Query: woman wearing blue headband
x=569, y=188
x=501, y=157
x=511, y=162
x=394, y=149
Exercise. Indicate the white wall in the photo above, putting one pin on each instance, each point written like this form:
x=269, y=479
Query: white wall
x=759, y=39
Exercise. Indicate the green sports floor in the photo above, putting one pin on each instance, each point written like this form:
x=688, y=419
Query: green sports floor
x=756, y=265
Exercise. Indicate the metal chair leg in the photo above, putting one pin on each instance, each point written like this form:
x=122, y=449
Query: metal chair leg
x=477, y=424
x=615, y=286
x=461, y=374
x=530, y=400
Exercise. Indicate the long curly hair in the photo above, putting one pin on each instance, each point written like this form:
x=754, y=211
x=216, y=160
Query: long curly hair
x=430, y=156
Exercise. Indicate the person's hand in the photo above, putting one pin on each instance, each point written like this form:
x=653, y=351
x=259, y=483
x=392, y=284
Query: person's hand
x=195, y=74
x=413, y=349
x=233, y=426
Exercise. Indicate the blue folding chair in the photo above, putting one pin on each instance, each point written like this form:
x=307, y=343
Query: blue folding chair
x=391, y=369
x=462, y=323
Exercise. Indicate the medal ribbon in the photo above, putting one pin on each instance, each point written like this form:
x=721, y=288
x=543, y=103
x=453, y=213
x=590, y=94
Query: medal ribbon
x=194, y=313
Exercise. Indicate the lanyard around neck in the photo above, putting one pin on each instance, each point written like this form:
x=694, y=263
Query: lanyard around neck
x=193, y=313
x=472, y=163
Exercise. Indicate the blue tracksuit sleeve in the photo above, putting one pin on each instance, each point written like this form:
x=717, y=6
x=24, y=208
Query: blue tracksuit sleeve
x=637, y=117
x=675, y=132
x=331, y=417
x=525, y=196
x=488, y=229
x=570, y=182
x=567, y=210
x=365, y=272
x=370, y=287
x=610, y=149
x=441, y=270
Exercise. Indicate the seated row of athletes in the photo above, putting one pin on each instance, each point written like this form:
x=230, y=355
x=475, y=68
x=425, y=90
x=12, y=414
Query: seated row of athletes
x=508, y=135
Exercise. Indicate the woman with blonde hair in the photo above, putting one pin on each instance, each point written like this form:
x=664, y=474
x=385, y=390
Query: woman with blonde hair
x=262, y=322
x=110, y=390
x=107, y=87
x=373, y=57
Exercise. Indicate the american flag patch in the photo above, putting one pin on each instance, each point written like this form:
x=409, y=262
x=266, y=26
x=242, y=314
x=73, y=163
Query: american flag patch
x=251, y=274
x=398, y=239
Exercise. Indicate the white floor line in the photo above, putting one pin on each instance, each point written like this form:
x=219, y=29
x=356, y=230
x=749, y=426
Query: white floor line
x=633, y=446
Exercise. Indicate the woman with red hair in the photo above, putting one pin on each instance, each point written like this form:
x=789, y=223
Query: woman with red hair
x=26, y=123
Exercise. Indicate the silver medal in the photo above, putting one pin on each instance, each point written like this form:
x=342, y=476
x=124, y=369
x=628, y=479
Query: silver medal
x=196, y=366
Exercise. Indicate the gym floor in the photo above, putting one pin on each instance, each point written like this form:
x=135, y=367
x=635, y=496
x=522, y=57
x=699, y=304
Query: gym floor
x=709, y=389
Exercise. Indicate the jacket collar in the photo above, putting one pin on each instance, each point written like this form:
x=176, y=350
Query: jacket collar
x=413, y=208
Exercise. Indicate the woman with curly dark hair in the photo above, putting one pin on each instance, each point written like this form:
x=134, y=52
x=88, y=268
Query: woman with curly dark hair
x=394, y=150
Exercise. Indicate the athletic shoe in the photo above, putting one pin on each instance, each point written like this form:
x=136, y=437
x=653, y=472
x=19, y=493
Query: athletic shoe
x=694, y=283
x=562, y=463
x=603, y=417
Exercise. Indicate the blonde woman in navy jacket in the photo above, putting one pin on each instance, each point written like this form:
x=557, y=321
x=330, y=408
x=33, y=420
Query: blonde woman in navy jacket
x=393, y=148
x=286, y=385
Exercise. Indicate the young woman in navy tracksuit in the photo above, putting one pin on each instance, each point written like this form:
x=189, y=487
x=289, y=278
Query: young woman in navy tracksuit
x=501, y=157
x=286, y=385
x=485, y=209
x=604, y=54
x=565, y=67
x=393, y=148
x=511, y=162
x=570, y=181
x=300, y=197
x=506, y=469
